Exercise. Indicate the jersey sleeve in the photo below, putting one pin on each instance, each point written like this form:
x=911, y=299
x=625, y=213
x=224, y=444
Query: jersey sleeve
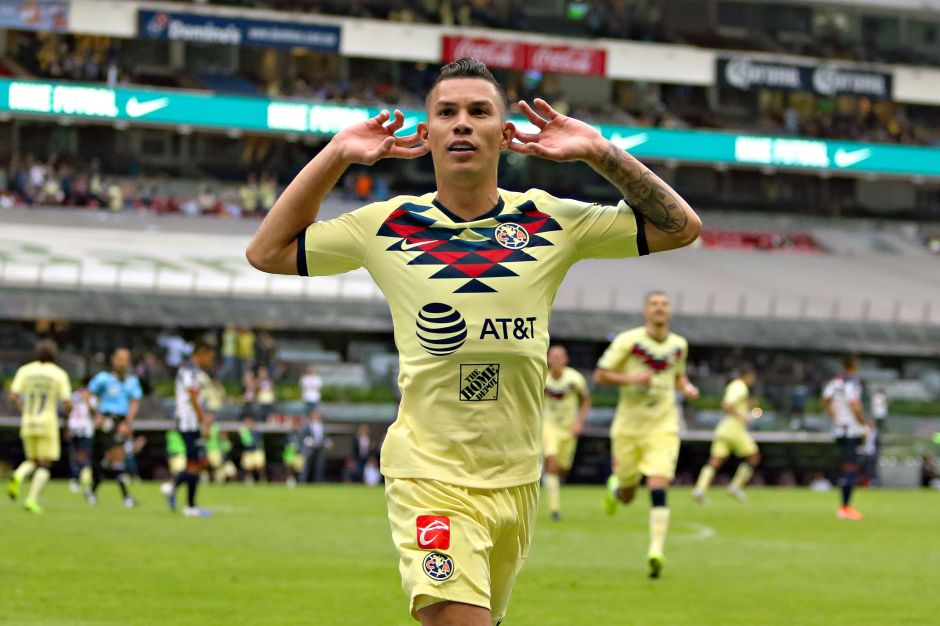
x=683, y=358
x=829, y=390
x=607, y=232
x=615, y=356
x=96, y=384
x=580, y=383
x=734, y=392
x=334, y=246
x=134, y=389
x=65, y=386
x=17, y=385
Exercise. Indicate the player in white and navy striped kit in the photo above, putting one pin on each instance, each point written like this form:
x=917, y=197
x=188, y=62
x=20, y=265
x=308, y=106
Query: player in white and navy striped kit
x=192, y=422
x=842, y=399
x=81, y=433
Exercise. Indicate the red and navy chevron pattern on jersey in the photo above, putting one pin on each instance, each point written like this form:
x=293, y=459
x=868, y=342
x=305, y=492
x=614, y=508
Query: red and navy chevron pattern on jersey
x=471, y=261
x=654, y=363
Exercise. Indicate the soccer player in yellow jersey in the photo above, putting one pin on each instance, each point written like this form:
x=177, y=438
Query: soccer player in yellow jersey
x=564, y=409
x=648, y=363
x=470, y=273
x=36, y=392
x=731, y=437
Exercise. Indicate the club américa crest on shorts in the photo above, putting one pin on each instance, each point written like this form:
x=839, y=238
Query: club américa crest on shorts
x=438, y=566
x=468, y=261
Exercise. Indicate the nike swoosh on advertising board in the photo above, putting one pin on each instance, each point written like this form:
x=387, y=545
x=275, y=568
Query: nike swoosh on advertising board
x=844, y=158
x=626, y=143
x=136, y=108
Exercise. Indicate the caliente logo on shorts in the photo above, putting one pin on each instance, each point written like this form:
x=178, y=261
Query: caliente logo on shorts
x=433, y=532
x=511, y=235
x=441, y=329
x=438, y=566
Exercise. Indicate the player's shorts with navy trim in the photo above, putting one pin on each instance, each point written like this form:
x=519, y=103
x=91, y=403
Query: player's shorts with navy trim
x=847, y=448
x=81, y=444
x=195, y=446
x=460, y=544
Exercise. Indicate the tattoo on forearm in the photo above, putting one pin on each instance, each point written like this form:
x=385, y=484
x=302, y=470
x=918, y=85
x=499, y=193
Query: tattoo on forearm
x=644, y=191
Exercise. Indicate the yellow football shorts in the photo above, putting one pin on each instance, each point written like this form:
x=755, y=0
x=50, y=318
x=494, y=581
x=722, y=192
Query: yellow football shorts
x=644, y=454
x=215, y=458
x=460, y=544
x=252, y=460
x=559, y=443
x=731, y=437
x=42, y=447
x=177, y=463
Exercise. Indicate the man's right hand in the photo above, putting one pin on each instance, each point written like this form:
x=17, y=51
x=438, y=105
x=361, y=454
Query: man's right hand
x=367, y=142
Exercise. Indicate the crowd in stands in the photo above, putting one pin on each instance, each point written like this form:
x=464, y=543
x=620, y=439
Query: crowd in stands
x=67, y=181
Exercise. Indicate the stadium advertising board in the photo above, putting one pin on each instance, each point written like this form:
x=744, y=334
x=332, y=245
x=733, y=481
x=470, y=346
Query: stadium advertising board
x=526, y=56
x=827, y=79
x=35, y=15
x=208, y=110
x=218, y=29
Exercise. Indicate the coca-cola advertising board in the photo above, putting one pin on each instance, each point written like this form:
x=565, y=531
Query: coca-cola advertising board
x=523, y=56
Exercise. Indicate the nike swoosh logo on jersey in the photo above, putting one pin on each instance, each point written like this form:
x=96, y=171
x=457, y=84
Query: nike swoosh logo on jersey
x=844, y=158
x=410, y=246
x=136, y=108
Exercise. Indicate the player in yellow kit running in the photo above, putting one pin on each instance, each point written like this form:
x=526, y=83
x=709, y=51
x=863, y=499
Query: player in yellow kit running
x=731, y=437
x=36, y=392
x=564, y=410
x=648, y=363
x=470, y=273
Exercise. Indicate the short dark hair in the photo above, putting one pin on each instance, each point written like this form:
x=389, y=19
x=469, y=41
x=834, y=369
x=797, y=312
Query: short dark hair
x=746, y=369
x=202, y=344
x=47, y=351
x=654, y=292
x=850, y=361
x=468, y=67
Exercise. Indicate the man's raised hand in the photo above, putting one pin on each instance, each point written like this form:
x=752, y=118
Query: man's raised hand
x=560, y=138
x=367, y=142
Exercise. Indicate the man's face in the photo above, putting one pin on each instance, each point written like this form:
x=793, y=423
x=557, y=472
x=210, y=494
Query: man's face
x=658, y=310
x=749, y=379
x=204, y=358
x=557, y=358
x=121, y=360
x=466, y=129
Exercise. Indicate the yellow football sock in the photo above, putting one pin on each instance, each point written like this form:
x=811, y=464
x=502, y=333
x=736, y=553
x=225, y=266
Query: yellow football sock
x=40, y=478
x=741, y=476
x=553, y=487
x=659, y=526
x=705, y=478
x=24, y=470
x=85, y=477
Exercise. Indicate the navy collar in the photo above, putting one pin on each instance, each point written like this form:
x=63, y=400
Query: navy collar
x=496, y=210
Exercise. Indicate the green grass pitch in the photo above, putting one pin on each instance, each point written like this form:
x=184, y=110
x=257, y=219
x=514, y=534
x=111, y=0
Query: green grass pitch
x=323, y=556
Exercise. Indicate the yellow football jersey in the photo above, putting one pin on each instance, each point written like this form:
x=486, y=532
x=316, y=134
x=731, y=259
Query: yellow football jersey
x=736, y=394
x=643, y=409
x=470, y=303
x=40, y=386
x=563, y=398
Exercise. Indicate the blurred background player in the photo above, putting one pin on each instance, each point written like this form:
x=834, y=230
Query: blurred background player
x=37, y=389
x=731, y=437
x=564, y=410
x=80, y=433
x=842, y=400
x=118, y=394
x=292, y=458
x=175, y=452
x=193, y=423
x=253, y=461
x=648, y=363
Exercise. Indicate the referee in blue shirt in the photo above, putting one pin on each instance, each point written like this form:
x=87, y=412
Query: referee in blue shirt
x=119, y=394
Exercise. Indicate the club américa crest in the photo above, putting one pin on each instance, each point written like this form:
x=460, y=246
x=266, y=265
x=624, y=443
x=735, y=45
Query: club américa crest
x=512, y=236
x=438, y=566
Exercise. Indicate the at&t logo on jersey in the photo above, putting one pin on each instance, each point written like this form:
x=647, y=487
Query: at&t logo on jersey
x=441, y=329
x=438, y=566
x=512, y=236
x=433, y=532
